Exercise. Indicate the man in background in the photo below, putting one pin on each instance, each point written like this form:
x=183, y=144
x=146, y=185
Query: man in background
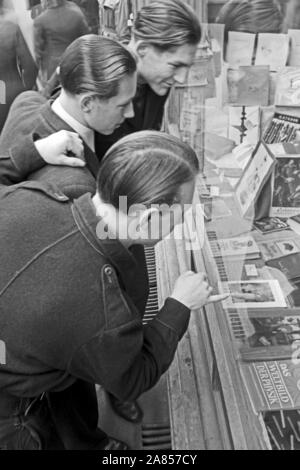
x=54, y=30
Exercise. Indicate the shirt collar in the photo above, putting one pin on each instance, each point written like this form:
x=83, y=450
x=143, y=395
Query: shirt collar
x=85, y=133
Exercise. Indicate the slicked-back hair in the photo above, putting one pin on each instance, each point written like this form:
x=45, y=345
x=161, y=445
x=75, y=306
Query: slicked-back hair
x=251, y=16
x=147, y=167
x=167, y=24
x=94, y=64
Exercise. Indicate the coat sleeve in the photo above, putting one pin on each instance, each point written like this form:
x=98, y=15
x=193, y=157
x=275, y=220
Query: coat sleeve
x=125, y=357
x=20, y=161
x=26, y=62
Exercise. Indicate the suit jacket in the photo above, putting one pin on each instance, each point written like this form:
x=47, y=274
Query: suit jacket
x=54, y=31
x=18, y=70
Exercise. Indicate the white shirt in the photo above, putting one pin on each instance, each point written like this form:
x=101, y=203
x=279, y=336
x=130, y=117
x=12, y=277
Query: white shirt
x=88, y=135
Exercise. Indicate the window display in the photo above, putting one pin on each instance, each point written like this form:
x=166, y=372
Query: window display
x=250, y=196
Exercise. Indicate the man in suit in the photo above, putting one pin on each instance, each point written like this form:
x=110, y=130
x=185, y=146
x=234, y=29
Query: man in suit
x=54, y=30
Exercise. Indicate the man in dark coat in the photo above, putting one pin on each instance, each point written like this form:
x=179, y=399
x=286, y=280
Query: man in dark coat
x=54, y=30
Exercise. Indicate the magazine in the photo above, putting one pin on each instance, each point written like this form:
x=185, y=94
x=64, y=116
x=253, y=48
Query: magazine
x=286, y=187
x=283, y=128
x=273, y=385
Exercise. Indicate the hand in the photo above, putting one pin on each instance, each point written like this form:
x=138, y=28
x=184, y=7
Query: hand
x=193, y=291
x=55, y=148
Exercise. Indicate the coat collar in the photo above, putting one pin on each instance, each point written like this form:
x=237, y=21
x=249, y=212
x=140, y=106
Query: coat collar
x=87, y=221
x=55, y=123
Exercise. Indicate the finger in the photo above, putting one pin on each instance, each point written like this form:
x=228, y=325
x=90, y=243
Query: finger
x=73, y=134
x=217, y=298
x=70, y=161
x=76, y=147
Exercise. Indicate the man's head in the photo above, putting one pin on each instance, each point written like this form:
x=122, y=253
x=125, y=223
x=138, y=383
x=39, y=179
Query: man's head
x=147, y=179
x=165, y=37
x=98, y=78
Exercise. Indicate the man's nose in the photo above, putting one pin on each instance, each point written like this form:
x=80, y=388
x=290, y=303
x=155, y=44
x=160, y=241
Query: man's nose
x=129, y=111
x=181, y=75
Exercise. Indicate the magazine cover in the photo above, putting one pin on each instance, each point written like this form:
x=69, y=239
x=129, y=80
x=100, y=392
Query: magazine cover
x=269, y=336
x=286, y=187
x=273, y=385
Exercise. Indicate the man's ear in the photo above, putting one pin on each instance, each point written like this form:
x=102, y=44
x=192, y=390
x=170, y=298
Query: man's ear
x=87, y=103
x=142, y=48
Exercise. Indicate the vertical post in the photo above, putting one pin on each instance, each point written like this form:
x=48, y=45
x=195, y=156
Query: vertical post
x=203, y=10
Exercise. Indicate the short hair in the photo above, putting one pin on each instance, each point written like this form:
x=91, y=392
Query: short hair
x=95, y=64
x=147, y=167
x=167, y=24
x=251, y=16
x=292, y=17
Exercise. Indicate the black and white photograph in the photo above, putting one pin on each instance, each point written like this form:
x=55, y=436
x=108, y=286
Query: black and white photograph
x=132, y=253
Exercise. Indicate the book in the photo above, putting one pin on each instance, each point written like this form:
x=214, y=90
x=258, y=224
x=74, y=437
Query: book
x=273, y=385
x=272, y=50
x=248, y=85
